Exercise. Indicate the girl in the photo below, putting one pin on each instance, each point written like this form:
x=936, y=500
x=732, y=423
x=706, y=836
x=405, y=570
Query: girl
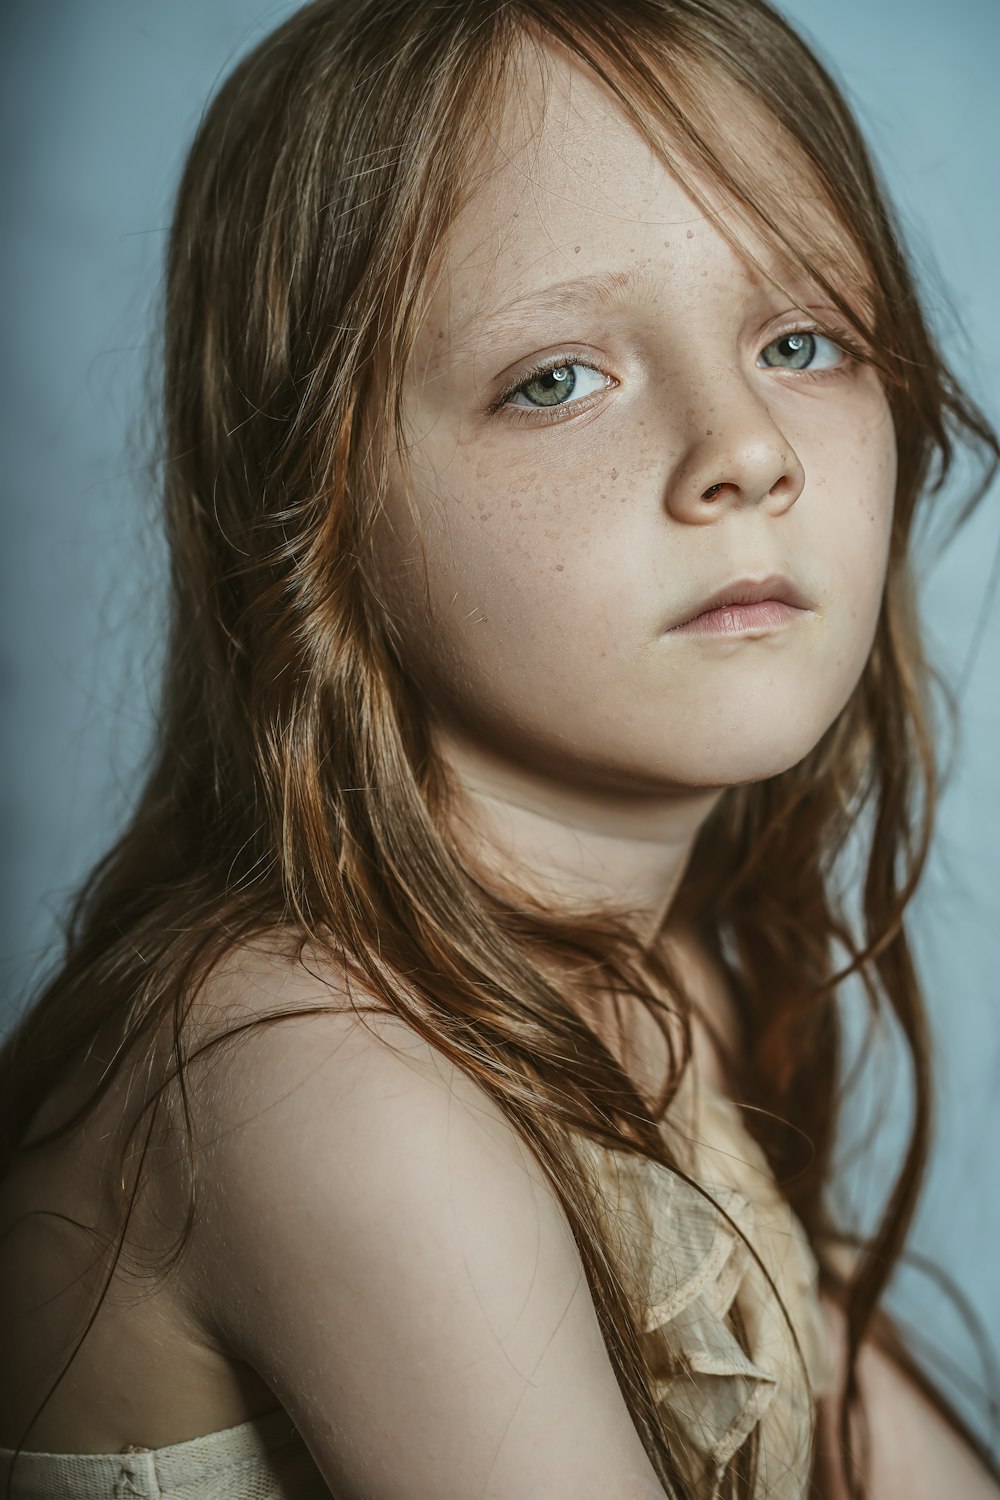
x=438, y=1093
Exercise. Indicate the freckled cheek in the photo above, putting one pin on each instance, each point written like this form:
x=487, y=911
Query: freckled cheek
x=854, y=495
x=491, y=558
x=538, y=517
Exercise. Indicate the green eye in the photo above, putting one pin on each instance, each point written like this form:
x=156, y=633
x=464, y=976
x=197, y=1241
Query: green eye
x=551, y=388
x=801, y=351
x=555, y=386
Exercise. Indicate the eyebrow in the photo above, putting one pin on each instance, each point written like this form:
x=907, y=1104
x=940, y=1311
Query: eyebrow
x=602, y=289
x=614, y=289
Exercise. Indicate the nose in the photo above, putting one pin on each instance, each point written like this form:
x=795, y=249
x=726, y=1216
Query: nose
x=743, y=460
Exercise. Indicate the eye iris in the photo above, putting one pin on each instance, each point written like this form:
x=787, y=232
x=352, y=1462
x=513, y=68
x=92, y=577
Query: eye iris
x=794, y=351
x=552, y=387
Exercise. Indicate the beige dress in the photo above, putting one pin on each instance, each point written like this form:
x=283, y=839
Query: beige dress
x=689, y=1259
x=689, y=1269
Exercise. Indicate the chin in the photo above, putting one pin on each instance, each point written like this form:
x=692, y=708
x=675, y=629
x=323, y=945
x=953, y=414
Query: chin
x=760, y=731
x=754, y=757
x=752, y=769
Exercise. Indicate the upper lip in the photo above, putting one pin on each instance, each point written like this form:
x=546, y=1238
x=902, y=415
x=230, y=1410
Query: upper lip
x=747, y=591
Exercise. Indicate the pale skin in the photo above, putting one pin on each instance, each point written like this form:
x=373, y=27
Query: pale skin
x=373, y=1242
x=589, y=747
x=562, y=542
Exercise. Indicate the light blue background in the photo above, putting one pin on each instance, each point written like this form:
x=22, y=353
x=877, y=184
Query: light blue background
x=99, y=101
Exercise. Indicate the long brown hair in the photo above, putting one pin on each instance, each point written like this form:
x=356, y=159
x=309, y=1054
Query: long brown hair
x=294, y=790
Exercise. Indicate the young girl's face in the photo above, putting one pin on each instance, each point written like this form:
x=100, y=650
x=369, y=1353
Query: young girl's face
x=686, y=432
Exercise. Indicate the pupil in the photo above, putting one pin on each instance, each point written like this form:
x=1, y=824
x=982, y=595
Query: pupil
x=797, y=349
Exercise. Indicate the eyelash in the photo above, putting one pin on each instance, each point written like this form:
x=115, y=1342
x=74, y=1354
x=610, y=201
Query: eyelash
x=838, y=335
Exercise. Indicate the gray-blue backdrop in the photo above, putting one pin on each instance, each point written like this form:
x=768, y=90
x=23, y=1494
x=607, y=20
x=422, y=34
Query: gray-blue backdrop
x=98, y=102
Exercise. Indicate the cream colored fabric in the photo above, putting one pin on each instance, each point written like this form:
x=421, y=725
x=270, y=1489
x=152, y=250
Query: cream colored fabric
x=264, y=1459
x=686, y=1261
x=688, y=1269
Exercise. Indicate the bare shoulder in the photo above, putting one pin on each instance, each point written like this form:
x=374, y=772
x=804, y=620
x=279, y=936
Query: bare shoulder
x=375, y=1240
x=291, y=1045
x=294, y=1049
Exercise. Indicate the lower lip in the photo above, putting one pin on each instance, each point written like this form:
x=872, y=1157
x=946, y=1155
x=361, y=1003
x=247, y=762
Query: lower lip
x=742, y=619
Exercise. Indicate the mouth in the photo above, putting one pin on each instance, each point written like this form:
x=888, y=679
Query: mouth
x=746, y=606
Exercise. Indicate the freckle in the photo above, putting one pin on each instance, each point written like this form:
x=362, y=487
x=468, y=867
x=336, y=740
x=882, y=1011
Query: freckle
x=709, y=431
x=690, y=234
x=666, y=244
x=614, y=473
x=516, y=504
x=558, y=568
x=576, y=249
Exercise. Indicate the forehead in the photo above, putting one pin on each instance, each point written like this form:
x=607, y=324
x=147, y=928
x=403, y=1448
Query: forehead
x=565, y=183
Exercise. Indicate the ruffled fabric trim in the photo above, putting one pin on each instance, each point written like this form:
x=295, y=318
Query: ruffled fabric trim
x=718, y=1393
x=685, y=1267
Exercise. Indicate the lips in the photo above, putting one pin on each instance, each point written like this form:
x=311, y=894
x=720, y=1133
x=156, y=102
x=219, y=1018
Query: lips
x=774, y=588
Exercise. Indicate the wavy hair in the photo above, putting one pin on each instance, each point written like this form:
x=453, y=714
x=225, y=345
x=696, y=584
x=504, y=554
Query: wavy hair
x=294, y=793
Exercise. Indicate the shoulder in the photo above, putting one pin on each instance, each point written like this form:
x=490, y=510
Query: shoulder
x=292, y=1045
x=309, y=1082
x=378, y=1243
x=286, y=1041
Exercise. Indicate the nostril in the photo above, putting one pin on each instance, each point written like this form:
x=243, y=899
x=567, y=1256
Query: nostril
x=712, y=490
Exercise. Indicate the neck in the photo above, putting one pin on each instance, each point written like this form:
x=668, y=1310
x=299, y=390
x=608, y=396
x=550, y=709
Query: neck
x=575, y=849
x=580, y=852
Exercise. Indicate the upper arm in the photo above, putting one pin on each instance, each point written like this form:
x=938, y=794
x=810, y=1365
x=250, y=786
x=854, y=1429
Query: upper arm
x=377, y=1243
x=915, y=1454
